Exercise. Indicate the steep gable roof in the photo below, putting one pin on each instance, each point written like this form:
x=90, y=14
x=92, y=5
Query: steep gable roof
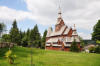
x=58, y=32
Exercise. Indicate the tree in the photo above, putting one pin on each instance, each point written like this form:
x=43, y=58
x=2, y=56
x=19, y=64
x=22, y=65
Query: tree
x=74, y=47
x=97, y=49
x=26, y=38
x=25, y=41
x=35, y=37
x=92, y=49
x=14, y=33
x=96, y=32
x=6, y=38
x=37, y=41
x=81, y=42
x=98, y=42
x=44, y=39
x=2, y=27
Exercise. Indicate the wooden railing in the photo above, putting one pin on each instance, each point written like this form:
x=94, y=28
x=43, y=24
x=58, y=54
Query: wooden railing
x=6, y=44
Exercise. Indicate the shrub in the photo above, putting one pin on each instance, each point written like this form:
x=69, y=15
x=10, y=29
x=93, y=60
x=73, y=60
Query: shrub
x=92, y=49
x=10, y=57
x=74, y=47
x=97, y=49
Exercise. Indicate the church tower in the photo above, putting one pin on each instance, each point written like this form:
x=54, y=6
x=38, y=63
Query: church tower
x=60, y=21
x=62, y=36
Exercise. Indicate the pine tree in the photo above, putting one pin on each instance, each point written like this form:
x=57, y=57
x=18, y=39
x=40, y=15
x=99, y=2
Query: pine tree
x=37, y=40
x=14, y=33
x=96, y=32
x=25, y=41
x=28, y=34
x=74, y=47
x=44, y=39
x=35, y=37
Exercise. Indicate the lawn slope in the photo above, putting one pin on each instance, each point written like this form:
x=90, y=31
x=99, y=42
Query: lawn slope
x=50, y=58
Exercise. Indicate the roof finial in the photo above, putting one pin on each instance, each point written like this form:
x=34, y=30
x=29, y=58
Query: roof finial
x=59, y=13
x=74, y=27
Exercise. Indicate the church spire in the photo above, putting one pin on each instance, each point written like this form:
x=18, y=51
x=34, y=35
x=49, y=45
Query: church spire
x=59, y=13
x=59, y=19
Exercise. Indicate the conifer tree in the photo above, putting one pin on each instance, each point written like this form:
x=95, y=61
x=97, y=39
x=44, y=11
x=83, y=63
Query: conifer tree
x=35, y=37
x=37, y=41
x=96, y=32
x=74, y=47
x=14, y=33
x=44, y=39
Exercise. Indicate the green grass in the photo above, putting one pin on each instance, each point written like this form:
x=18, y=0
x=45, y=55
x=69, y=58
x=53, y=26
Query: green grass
x=50, y=58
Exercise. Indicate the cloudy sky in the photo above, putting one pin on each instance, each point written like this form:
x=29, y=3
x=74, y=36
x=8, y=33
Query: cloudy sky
x=83, y=13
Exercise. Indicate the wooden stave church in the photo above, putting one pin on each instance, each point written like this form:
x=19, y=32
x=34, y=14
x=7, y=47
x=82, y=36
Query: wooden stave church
x=62, y=37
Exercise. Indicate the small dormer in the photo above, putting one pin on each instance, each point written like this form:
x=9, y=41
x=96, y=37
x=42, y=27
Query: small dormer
x=74, y=31
x=49, y=32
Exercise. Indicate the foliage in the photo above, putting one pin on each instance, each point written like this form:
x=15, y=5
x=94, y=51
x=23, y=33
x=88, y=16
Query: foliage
x=31, y=37
x=2, y=27
x=89, y=42
x=14, y=33
x=98, y=42
x=35, y=37
x=25, y=41
x=10, y=56
x=81, y=42
x=74, y=47
x=44, y=40
x=3, y=51
x=6, y=38
x=96, y=31
x=97, y=49
x=92, y=49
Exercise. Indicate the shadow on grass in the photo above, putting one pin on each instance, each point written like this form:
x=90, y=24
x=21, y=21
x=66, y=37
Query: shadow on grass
x=3, y=51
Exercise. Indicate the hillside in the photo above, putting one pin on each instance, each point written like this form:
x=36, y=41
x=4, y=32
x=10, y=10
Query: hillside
x=50, y=58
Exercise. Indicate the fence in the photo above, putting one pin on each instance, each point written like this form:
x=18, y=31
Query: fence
x=3, y=45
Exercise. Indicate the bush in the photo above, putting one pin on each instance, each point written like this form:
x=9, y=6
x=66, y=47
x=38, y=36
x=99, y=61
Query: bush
x=97, y=49
x=92, y=49
x=74, y=47
x=10, y=57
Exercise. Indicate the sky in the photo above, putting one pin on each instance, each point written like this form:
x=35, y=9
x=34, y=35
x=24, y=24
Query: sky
x=44, y=13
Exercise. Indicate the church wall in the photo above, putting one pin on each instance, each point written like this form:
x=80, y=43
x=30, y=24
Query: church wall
x=53, y=48
x=60, y=48
x=66, y=49
x=56, y=48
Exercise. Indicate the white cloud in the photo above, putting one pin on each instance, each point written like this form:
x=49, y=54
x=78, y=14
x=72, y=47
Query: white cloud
x=8, y=14
x=83, y=13
x=84, y=35
x=80, y=12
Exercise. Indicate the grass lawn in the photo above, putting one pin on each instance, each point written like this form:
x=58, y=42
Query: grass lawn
x=50, y=58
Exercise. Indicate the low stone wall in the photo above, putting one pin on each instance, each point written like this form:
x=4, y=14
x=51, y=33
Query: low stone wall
x=3, y=45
